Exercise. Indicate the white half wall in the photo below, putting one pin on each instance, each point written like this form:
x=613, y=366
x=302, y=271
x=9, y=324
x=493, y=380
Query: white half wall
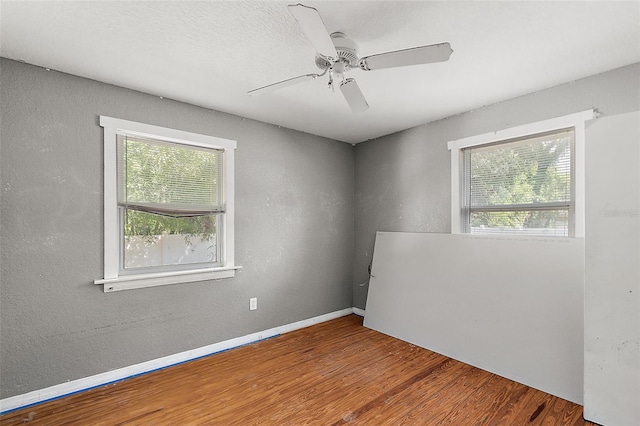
x=509, y=305
x=612, y=286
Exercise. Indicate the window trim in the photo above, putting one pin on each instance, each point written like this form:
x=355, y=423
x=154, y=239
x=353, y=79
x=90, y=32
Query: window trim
x=113, y=280
x=576, y=121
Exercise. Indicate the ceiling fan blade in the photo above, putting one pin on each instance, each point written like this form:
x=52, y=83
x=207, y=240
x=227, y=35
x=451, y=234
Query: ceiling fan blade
x=311, y=23
x=354, y=96
x=282, y=84
x=414, y=56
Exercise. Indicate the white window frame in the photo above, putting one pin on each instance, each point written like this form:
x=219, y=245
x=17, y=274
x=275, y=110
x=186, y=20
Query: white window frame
x=115, y=281
x=576, y=121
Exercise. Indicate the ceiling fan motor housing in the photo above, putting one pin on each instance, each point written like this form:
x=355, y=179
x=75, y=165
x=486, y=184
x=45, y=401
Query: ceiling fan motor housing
x=347, y=51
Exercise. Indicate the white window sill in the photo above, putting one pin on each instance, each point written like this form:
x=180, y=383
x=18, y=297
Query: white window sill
x=130, y=282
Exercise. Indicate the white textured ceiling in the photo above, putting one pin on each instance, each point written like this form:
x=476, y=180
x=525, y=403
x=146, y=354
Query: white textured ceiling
x=211, y=53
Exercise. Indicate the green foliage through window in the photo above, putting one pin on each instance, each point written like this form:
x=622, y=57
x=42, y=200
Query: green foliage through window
x=520, y=185
x=169, y=188
x=150, y=225
x=170, y=198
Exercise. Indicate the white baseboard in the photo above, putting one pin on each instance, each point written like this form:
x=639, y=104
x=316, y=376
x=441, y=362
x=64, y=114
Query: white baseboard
x=63, y=389
x=358, y=311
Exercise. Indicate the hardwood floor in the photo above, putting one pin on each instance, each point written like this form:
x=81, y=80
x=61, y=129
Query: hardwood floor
x=333, y=373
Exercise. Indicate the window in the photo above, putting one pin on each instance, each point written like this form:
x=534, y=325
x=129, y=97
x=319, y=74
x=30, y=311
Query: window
x=525, y=180
x=524, y=186
x=168, y=211
x=169, y=203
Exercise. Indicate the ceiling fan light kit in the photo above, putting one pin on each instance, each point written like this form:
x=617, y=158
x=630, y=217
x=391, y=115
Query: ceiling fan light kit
x=338, y=54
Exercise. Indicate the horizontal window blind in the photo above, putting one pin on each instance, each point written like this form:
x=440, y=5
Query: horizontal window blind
x=520, y=186
x=169, y=179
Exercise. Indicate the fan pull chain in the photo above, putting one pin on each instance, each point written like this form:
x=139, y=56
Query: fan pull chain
x=331, y=86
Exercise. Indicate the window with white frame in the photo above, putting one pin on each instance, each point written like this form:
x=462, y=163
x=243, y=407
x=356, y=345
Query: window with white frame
x=523, y=186
x=524, y=180
x=168, y=209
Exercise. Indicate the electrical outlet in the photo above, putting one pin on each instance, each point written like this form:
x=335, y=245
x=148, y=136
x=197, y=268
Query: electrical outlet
x=253, y=303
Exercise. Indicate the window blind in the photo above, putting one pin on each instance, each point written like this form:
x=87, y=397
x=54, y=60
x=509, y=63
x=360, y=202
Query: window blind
x=167, y=178
x=523, y=186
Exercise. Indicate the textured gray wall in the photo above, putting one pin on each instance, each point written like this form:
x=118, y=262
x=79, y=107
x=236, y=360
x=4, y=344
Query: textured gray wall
x=403, y=180
x=294, y=233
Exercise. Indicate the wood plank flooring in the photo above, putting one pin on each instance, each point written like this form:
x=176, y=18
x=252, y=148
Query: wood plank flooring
x=334, y=373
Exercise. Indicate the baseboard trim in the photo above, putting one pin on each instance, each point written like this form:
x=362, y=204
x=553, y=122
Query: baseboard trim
x=80, y=385
x=358, y=311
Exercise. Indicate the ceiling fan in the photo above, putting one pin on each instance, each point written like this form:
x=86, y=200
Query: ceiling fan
x=338, y=54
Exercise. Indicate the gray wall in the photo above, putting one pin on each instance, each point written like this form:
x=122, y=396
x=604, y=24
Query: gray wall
x=403, y=180
x=294, y=233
